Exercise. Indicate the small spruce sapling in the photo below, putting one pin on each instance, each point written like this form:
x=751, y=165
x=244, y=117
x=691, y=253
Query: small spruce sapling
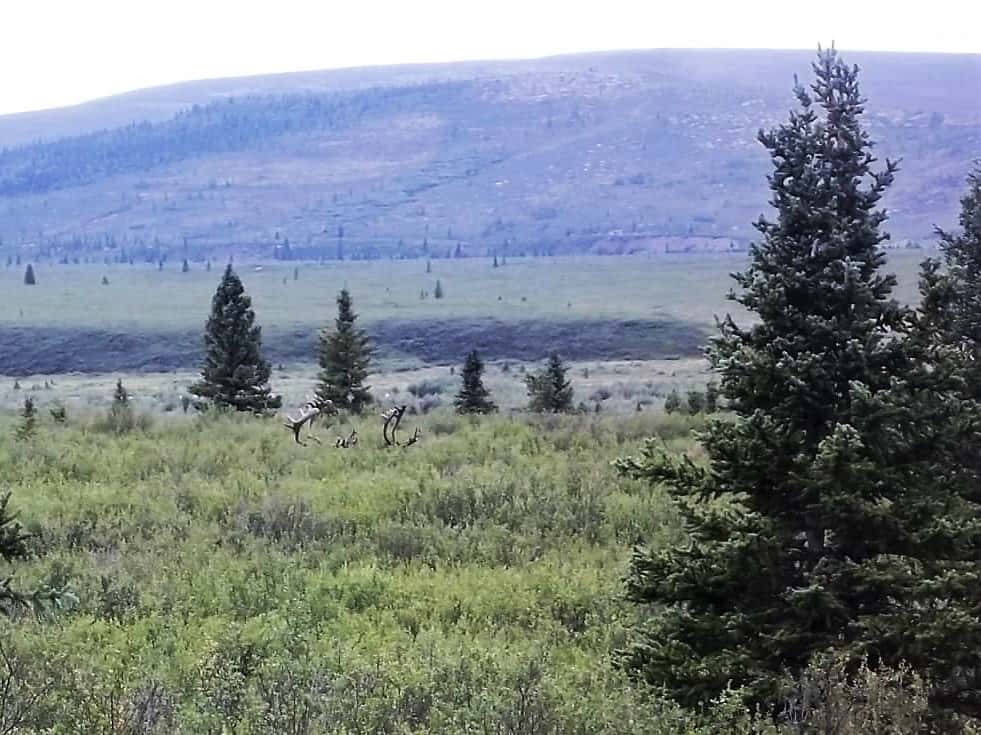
x=28, y=420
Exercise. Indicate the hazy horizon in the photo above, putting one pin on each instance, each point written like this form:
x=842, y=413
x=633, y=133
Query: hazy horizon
x=109, y=47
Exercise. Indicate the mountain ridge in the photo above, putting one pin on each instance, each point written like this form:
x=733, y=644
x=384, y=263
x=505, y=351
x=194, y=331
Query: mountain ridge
x=600, y=152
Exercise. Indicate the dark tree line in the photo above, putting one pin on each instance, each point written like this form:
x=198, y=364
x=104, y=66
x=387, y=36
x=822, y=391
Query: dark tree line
x=233, y=124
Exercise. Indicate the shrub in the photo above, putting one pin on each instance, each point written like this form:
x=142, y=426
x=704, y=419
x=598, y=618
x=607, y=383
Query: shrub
x=429, y=403
x=600, y=394
x=426, y=388
x=696, y=402
x=672, y=403
x=832, y=698
x=120, y=418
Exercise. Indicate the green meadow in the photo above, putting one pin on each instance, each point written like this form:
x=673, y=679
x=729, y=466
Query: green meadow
x=143, y=299
x=229, y=581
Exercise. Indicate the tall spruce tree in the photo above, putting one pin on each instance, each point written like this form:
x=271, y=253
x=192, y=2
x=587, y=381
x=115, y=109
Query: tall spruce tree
x=549, y=391
x=345, y=356
x=473, y=396
x=831, y=512
x=951, y=288
x=234, y=373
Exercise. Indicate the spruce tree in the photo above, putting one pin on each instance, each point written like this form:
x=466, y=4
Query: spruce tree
x=29, y=279
x=672, y=403
x=831, y=512
x=548, y=390
x=121, y=418
x=951, y=288
x=234, y=373
x=28, y=420
x=345, y=356
x=13, y=549
x=438, y=291
x=473, y=396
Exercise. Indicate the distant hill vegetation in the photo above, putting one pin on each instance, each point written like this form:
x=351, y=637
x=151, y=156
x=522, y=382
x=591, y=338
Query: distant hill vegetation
x=644, y=151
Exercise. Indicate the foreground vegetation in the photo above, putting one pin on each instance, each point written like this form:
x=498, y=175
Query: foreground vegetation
x=226, y=578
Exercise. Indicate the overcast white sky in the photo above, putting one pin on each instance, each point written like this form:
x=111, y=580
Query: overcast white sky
x=59, y=52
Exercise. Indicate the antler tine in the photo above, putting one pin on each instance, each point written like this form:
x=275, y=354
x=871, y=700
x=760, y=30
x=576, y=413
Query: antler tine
x=392, y=418
x=414, y=438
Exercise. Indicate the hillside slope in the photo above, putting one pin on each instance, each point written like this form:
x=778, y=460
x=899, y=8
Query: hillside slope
x=595, y=153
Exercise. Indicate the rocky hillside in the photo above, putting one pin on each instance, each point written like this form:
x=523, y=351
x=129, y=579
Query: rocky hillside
x=595, y=153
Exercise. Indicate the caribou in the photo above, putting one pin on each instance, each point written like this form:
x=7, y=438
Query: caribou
x=390, y=426
x=309, y=411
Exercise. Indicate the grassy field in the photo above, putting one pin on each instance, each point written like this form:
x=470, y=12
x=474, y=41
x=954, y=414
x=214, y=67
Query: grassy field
x=589, y=308
x=140, y=298
x=617, y=386
x=228, y=581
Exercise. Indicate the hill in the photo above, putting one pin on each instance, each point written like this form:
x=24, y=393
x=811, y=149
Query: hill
x=604, y=153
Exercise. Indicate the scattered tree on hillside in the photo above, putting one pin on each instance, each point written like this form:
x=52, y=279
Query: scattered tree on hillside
x=833, y=512
x=105, y=280
x=345, y=357
x=28, y=420
x=473, y=396
x=438, y=291
x=549, y=391
x=29, y=279
x=672, y=402
x=429, y=266
x=185, y=266
x=234, y=373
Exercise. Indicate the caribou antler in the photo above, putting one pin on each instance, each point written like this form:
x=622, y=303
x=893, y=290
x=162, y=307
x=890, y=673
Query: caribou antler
x=392, y=418
x=347, y=443
x=308, y=412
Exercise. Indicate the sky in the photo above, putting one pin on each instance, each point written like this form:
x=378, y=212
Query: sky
x=61, y=52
